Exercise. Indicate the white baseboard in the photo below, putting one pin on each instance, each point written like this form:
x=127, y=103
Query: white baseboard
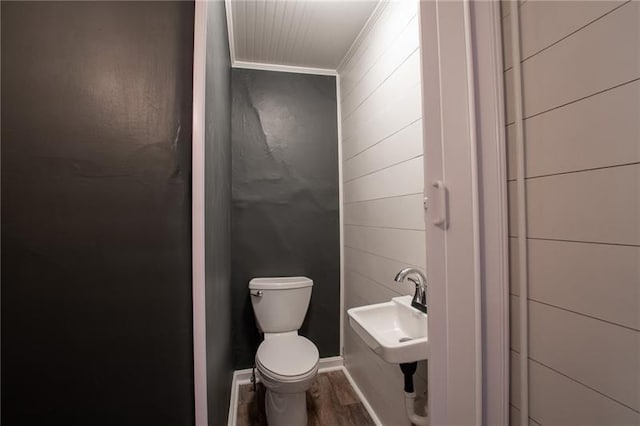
x=233, y=401
x=242, y=377
x=330, y=364
x=364, y=401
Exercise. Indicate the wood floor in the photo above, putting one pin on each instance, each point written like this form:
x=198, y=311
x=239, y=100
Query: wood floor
x=330, y=401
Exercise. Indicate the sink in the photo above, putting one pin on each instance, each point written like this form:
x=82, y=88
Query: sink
x=393, y=330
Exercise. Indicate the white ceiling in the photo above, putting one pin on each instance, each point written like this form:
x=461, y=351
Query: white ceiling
x=305, y=33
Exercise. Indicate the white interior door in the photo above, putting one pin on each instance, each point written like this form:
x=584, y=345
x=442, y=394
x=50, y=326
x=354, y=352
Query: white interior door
x=462, y=265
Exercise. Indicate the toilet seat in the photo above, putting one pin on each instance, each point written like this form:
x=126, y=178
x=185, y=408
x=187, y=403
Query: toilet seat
x=287, y=358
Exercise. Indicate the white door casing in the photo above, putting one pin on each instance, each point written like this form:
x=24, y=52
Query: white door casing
x=466, y=257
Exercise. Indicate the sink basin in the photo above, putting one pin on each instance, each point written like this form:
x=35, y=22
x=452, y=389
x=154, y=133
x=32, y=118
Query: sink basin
x=393, y=330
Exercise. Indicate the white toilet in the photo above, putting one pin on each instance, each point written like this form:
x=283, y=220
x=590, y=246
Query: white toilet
x=286, y=363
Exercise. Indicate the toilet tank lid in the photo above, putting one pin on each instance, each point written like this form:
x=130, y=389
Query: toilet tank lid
x=279, y=283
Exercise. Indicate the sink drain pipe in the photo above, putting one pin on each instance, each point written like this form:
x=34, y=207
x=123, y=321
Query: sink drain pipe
x=409, y=369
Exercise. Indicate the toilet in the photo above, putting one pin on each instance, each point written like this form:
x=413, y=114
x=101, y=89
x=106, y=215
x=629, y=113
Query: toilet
x=286, y=362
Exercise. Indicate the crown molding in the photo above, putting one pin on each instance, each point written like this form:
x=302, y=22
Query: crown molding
x=373, y=19
x=282, y=68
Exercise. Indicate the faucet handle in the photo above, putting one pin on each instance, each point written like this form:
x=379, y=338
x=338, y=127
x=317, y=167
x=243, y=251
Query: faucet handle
x=419, y=298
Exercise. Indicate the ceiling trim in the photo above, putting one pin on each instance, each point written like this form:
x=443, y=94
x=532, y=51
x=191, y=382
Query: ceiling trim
x=371, y=21
x=282, y=68
x=293, y=68
x=264, y=66
x=232, y=45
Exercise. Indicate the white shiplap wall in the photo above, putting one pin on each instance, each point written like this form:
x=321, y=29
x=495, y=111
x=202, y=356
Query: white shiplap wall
x=383, y=184
x=581, y=96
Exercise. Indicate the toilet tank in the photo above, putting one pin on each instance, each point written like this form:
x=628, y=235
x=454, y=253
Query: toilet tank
x=280, y=304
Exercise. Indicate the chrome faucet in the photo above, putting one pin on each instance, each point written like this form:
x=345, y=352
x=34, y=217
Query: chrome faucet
x=420, y=297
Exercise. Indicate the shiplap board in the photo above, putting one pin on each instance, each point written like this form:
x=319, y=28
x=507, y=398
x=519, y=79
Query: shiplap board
x=606, y=277
x=360, y=291
x=396, y=54
x=380, y=383
x=600, y=131
x=369, y=291
x=379, y=269
x=388, y=384
x=543, y=23
x=401, y=179
x=597, y=205
x=404, y=79
x=398, y=244
x=392, y=21
x=603, y=356
x=360, y=51
x=600, y=205
x=354, y=298
x=401, y=146
x=392, y=116
x=557, y=400
x=582, y=65
x=578, y=120
x=382, y=182
x=404, y=212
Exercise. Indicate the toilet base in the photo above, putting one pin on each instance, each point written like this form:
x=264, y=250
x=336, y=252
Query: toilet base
x=286, y=409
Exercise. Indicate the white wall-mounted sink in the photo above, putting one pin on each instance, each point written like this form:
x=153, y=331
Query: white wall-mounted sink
x=394, y=330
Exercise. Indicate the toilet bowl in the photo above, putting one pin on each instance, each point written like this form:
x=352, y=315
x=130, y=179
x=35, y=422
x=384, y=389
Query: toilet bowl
x=286, y=362
x=287, y=365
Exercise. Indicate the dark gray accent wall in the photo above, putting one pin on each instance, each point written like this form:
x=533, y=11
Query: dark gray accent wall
x=96, y=213
x=285, y=198
x=218, y=214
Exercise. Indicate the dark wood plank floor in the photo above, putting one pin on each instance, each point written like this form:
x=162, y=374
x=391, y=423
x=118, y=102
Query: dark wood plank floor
x=330, y=401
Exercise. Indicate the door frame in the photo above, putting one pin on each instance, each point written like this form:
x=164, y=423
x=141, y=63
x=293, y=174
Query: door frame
x=198, y=215
x=467, y=257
